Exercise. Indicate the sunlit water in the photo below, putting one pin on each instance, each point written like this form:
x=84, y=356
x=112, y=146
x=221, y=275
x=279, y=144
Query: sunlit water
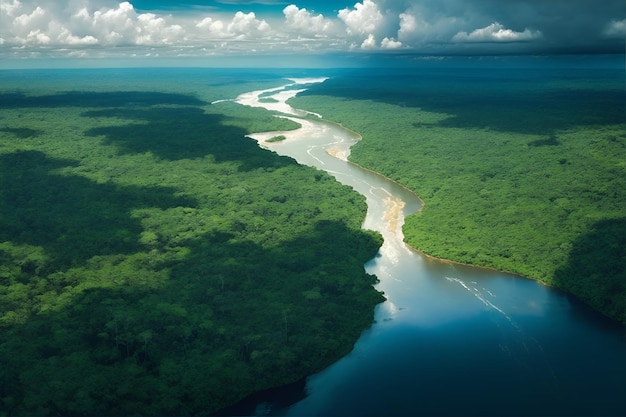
x=450, y=339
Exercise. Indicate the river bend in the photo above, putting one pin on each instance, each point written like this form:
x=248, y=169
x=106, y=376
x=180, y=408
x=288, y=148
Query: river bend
x=450, y=339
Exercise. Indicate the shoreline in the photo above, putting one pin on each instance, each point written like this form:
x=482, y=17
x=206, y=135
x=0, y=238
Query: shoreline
x=428, y=256
x=449, y=261
x=431, y=258
x=301, y=116
x=393, y=206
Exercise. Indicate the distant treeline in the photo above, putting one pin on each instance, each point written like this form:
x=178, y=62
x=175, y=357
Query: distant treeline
x=154, y=261
x=520, y=170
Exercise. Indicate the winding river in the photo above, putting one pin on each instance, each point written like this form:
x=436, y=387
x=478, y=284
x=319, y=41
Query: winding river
x=450, y=339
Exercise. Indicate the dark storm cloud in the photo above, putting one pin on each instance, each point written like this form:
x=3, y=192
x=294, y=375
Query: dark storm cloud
x=584, y=25
x=569, y=24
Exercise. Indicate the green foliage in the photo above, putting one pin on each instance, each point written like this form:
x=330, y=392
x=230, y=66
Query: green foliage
x=517, y=172
x=276, y=138
x=596, y=267
x=155, y=261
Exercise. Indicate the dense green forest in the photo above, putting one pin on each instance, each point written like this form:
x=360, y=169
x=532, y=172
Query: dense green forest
x=520, y=170
x=155, y=261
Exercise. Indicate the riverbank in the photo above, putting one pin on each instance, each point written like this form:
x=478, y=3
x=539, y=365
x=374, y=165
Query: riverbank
x=485, y=205
x=393, y=215
x=439, y=314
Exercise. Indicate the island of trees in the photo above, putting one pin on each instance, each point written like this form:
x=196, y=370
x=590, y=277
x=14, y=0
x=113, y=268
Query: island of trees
x=519, y=171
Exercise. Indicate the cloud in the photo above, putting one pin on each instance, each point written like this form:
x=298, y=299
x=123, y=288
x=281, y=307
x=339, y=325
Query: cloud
x=419, y=26
x=390, y=43
x=9, y=8
x=303, y=21
x=369, y=42
x=364, y=19
x=154, y=30
x=616, y=28
x=115, y=25
x=212, y=27
x=245, y=25
x=496, y=32
x=84, y=27
x=66, y=37
x=408, y=25
x=367, y=21
x=118, y=25
x=29, y=28
x=242, y=26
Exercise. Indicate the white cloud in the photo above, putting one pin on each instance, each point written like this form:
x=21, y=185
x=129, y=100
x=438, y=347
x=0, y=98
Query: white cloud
x=245, y=25
x=82, y=16
x=364, y=19
x=37, y=37
x=390, y=43
x=31, y=22
x=416, y=29
x=116, y=26
x=154, y=30
x=213, y=27
x=68, y=38
x=303, y=21
x=408, y=25
x=369, y=42
x=242, y=26
x=442, y=26
x=496, y=32
x=124, y=26
x=616, y=28
x=9, y=8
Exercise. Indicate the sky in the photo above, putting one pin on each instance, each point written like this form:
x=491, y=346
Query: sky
x=230, y=30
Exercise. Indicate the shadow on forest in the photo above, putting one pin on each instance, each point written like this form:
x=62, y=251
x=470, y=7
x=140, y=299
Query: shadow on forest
x=499, y=100
x=177, y=132
x=21, y=132
x=232, y=317
x=96, y=99
x=174, y=133
x=72, y=217
x=229, y=321
x=596, y=269
x=551, y=141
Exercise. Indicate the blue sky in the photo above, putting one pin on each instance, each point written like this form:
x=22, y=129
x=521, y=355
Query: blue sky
x=235, y=31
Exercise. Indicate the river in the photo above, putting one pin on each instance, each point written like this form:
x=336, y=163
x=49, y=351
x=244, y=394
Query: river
x=450, y=339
